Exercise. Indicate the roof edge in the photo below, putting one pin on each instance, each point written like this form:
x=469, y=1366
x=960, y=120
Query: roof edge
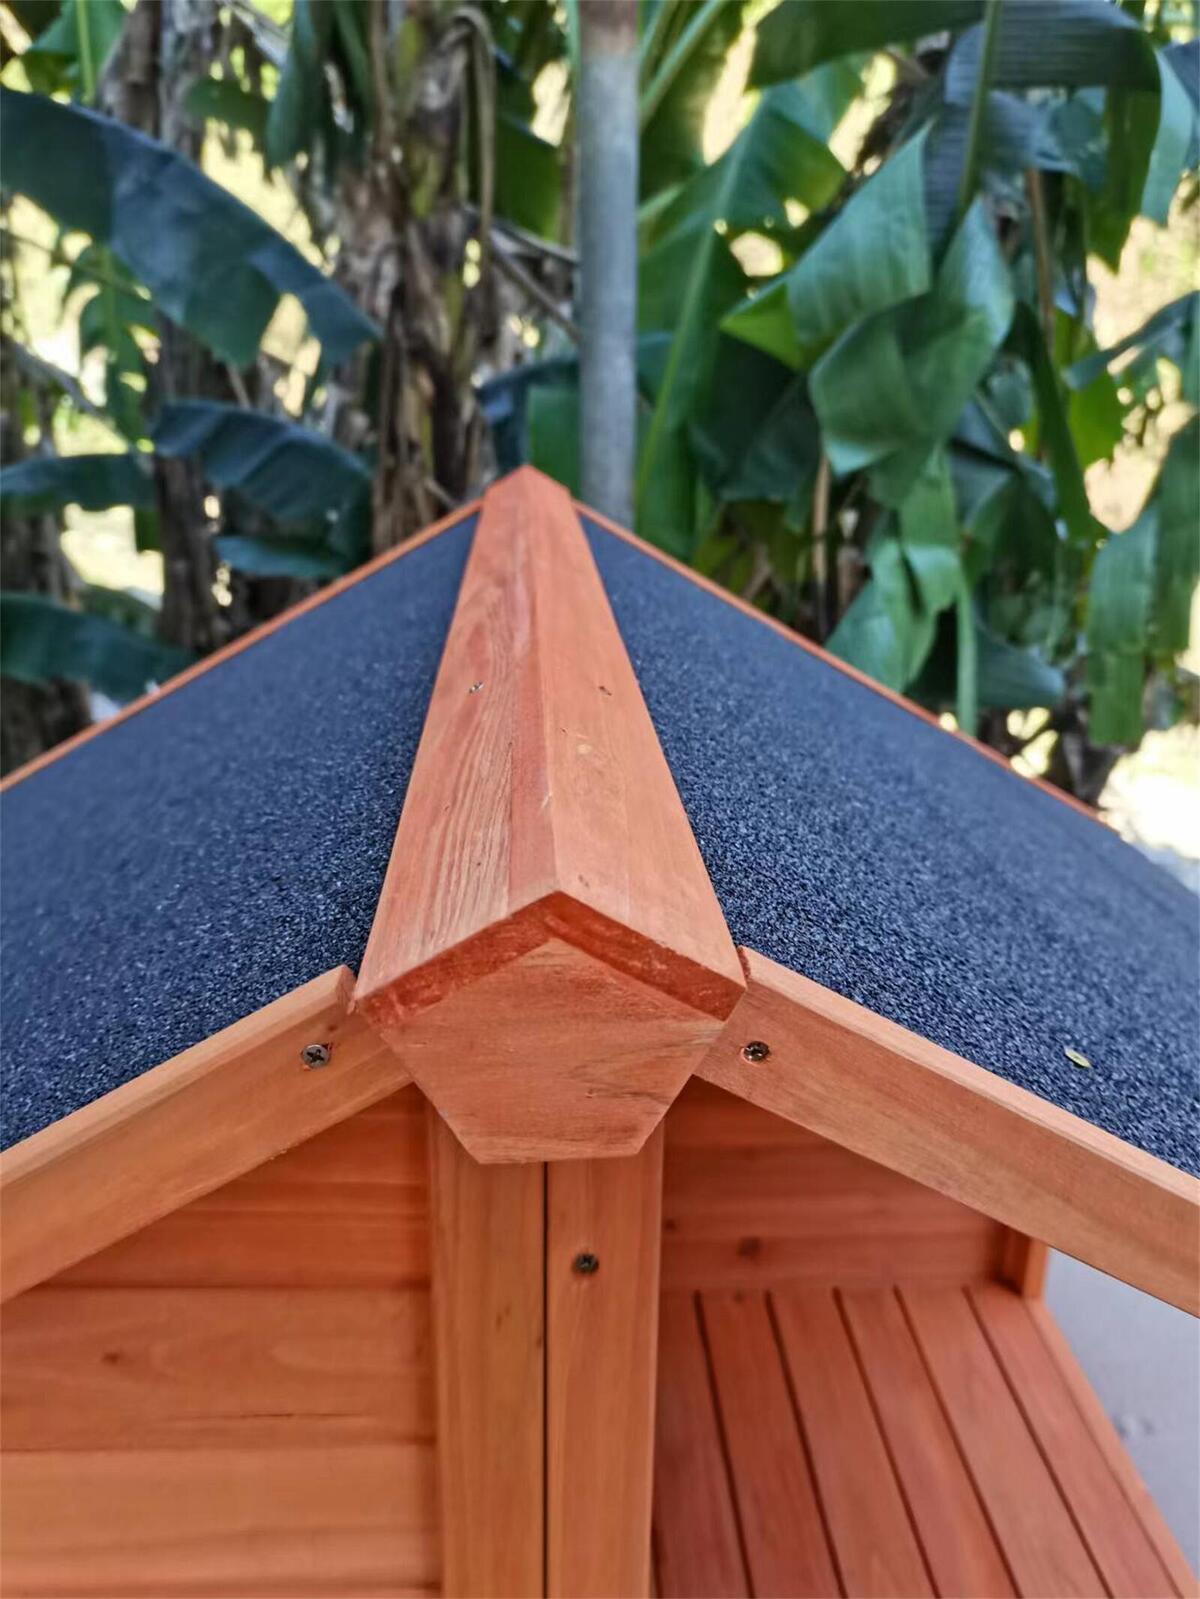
x=183, y=1128
x=237, y=645
x=867, y=1083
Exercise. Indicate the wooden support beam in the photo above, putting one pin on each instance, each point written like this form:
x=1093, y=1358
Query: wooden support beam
x=604, y=1224
x=548, y=951
x=488, y=1276
x=864, y=1082
x=186, y=1127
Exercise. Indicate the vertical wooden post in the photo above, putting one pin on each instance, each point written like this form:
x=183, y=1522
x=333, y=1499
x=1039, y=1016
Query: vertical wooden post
x=604, y=1224
x=1023, y=1264
x=487, y=1227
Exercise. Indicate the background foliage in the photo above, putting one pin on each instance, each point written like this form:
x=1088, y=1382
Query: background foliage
x=319, y=260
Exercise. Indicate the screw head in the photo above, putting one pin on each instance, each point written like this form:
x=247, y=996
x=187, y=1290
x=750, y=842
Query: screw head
x=314, y=1055
x=586, y=1264
x=755, y=1051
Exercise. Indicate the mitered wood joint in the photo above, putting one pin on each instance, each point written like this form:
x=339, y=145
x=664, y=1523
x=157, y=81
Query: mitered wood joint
x=548, y=956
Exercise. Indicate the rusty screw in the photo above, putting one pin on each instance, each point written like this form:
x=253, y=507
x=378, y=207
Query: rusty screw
x=314, y=1055
x=586, y=1264
x=755, y=1051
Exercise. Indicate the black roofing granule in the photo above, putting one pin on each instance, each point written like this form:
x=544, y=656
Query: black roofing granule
x=218, y=849
x=854, y=843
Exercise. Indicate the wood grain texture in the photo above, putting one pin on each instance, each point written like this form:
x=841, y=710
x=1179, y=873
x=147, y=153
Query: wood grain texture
x=1041, y=1543
x=753, y=1201
x=191, y=1368
x=254, y=636
x=601, y=1359
x=873, y=1539
x=1023, y=1263
x=272, y=1523
x=955, y=1537
x=1183, y=1578
x=185, y=1128
x=488, y=1243
x=1111, y=1530
x=880, y=1090
x=541, y=811
x=785, y=1536
x=697, y=1547
x=347, y=1209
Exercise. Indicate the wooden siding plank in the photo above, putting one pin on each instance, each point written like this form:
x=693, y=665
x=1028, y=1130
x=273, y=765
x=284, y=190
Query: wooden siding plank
x=958, y=1544
x=1183, y=1578
x=1040, y=1541
x=873, y=1539
x=1115, y=1537
x=787, y=1548
x=541, y=815
x=695, y=1526
x=488, y=1242
x=348, y=1208
x=602, y=1348
x=276, y=1523
x=187, y=1368
x=862, y=1081
x=185, y=1128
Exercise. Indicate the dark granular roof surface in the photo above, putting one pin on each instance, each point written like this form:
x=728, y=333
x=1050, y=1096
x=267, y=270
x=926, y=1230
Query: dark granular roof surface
x=867, y=850
x=218, y=849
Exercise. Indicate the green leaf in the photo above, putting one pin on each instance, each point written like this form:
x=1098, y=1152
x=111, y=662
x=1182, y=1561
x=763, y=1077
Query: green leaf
x=799, y=34
x=1008, y=677
x=41, y=641
x=277, y=557
x=1027, y=341
x=1055, y=43
x=528, y=177
x=225, y=100
x=211, y=264
x=64, y=57
x=929, y=534
x=1166, y=333
x=1178, y=568
x=553, y=418
x=898, y=381
x=300, y=97
x=93, y=482
x=885, y=632
x=757, y=439
x=286, y=470
x=675, y=96
x=1096, y=419
x=874, y=254
x=1119, y=610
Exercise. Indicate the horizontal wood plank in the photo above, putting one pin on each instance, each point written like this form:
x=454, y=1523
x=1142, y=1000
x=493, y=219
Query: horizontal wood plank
x=227, y=1523
x=191, y=1368
x=864, y=1082
x=186, y=1128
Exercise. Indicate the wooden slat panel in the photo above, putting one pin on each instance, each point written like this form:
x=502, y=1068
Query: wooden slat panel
x=188, y=1368
x=274, y=1523
x=785, y=1539
x=488, y=1240
x=1041, y=1544
x=602, y=1349
x=1183, y=1578
x=348, y=1208
x=1114, y=1536
x=957, y=1542
x=892, y=1096
x=873, y=1539
x=185, y=1128
x=695, y=1526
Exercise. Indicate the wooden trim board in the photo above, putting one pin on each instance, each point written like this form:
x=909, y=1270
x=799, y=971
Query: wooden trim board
x=237, y=645
x=862, y=1081
x=186, y=1127
x=541, y=816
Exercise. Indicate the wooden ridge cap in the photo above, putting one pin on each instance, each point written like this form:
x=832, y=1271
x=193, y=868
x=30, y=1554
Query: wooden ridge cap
x=541, y=811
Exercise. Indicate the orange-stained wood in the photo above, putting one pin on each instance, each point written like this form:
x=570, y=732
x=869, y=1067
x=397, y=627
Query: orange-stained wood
x=698, y=1552
x=876, y=1548
x=603, y=1225
x=784, y=1533
x=1041, y=1543
x=346, y=1209
x=1104, y=1436
x=1115, y=1538
x=488, y=1242
x=957, y=1541
x=254, y=636
x=185, y=1128
x=753, y=1201
x=1023, y=1263
x=892, y=1096
x=541, y=816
